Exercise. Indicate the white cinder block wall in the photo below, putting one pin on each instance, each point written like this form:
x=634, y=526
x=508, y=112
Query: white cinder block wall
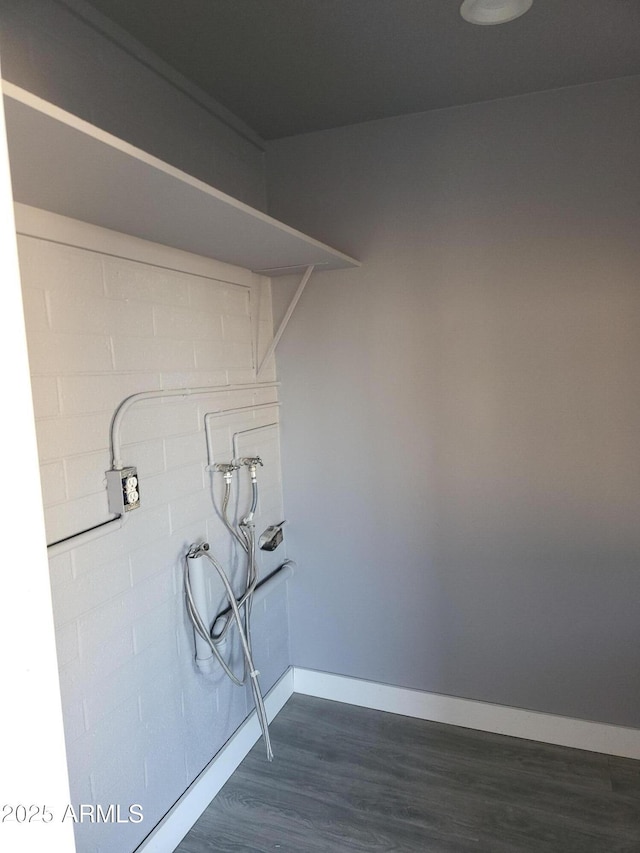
x=102, y=324
x=128, y=316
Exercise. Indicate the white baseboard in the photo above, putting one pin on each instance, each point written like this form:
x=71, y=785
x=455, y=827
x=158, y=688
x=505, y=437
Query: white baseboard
x=468, y=713
x=166, y=836
x=471, y=714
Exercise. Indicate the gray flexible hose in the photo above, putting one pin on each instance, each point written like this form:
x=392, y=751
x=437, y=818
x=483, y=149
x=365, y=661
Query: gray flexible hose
x=246, y=646
x=245, y=536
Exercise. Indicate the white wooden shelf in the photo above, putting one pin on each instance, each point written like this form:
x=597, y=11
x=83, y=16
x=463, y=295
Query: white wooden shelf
x=65, y=165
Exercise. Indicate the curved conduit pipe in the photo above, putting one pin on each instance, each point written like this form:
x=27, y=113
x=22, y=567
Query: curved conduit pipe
x=240, y=410
x=113, y=524
x=236, y=435
x=125, y=405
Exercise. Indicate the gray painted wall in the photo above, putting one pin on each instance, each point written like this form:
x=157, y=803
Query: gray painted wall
x=67, y=53
x=461, y=415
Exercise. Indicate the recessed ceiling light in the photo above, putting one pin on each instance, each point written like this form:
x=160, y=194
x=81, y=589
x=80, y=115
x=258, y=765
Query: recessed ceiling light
x=487, y=12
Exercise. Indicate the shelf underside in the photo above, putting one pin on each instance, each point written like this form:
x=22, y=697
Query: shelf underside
x=62, y=164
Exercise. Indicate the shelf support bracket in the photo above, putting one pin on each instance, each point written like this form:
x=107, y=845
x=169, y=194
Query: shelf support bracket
x=283, y=325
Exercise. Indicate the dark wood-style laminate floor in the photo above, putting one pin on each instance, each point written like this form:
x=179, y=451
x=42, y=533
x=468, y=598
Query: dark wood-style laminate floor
x=351, y=779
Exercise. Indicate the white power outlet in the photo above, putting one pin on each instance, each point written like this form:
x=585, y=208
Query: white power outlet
x=123, y=490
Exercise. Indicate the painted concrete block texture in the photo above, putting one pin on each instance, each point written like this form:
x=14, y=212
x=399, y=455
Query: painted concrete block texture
x=140, y=721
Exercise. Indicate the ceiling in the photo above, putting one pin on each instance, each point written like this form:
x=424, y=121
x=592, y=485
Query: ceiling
x=291, y=66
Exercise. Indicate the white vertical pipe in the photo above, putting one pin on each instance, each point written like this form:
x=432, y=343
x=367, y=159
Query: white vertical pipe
x=196, y=568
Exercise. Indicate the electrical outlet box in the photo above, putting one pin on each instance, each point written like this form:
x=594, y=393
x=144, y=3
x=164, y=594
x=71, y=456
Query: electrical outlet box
x=123, y=490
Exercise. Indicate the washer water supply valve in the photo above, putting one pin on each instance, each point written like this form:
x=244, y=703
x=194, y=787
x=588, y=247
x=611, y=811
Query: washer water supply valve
x=123, y=492
x=226, y=468
x=252, y=463
x=272, y=537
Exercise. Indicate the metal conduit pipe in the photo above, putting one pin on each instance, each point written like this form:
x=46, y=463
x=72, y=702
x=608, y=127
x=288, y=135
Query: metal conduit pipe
x=125, y=405
x=75, y=540
x=236, y=435
x=239, y=410
x=85, y=536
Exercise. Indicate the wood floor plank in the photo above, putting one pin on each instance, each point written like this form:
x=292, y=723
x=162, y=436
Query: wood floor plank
x=524, y=756
x=416, y=775
x=350, y=780
x=625, y=777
